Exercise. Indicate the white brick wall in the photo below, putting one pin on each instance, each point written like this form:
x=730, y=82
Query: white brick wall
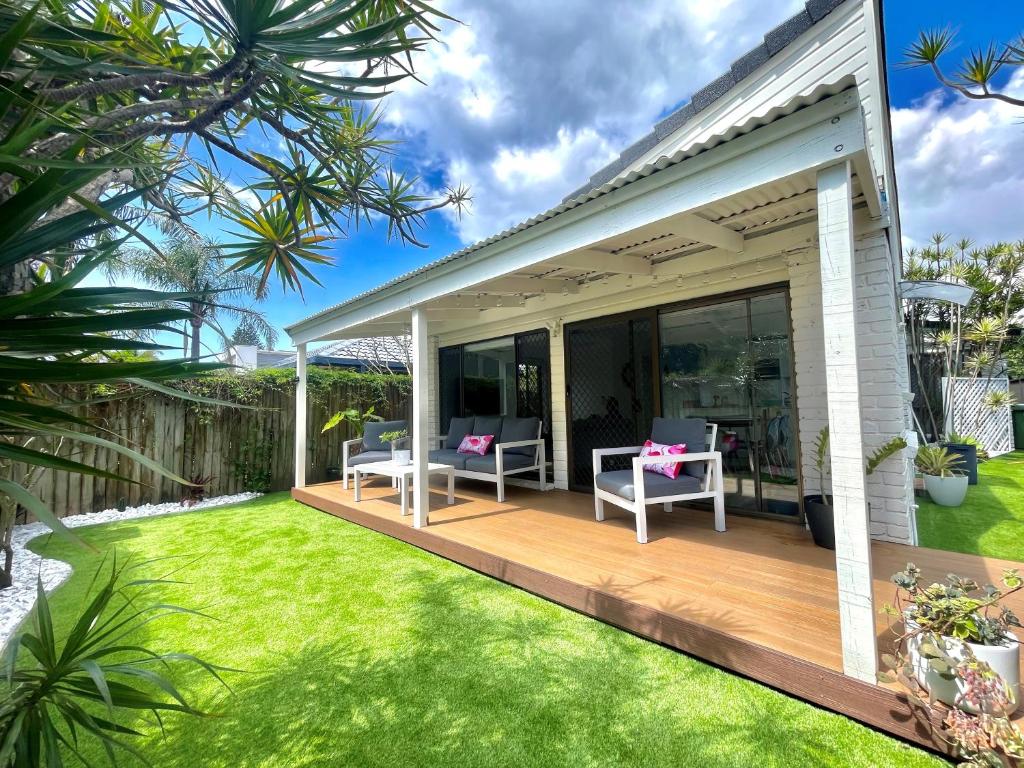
x=883, y=379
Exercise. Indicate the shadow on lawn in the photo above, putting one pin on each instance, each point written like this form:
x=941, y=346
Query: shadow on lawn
x=469, y=685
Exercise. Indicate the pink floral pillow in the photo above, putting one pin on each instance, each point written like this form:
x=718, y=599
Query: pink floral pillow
x=669, y=469
x=476, y=444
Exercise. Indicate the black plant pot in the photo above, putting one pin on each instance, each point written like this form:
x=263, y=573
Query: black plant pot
x=968, y=459
x=821, y=521
x=334, y=473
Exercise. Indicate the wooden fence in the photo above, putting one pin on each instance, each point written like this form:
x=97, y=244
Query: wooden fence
x=230, y=449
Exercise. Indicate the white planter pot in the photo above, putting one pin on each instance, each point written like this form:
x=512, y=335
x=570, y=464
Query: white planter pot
x=402, y=458
x=1003, y=659
x=946, y=491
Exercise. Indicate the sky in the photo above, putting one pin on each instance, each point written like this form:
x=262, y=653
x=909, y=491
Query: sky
x=523, y=100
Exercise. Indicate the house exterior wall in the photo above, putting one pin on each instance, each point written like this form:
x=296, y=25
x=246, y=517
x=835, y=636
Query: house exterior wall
x=881, y=356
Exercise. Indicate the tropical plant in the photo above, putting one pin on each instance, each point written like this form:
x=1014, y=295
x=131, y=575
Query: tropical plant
x=937, y=461
x=356, y=421
x=193, y=266
x=821, y=463
x=958, y=438
x=885, y=451
x=69, y=685
x=974, y=77
x=978, y=726
x=393, y=436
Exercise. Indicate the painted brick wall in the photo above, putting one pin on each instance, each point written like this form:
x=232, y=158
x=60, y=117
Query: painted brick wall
x=883, y=379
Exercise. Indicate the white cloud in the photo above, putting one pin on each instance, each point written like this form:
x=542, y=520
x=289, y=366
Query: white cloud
x=525, y=100
x=958, y=164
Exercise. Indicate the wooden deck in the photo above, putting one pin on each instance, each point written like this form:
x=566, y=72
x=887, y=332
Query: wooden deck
x=759, y=599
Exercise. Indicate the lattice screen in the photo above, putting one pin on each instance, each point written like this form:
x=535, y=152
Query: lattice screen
x=970, y=416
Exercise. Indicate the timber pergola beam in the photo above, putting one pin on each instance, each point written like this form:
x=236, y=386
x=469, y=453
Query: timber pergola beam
x=527, y=285
x=698, y=228
x=602, y=261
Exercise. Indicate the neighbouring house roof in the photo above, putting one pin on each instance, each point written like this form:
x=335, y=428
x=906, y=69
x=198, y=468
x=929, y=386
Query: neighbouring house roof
x=379, y=352
x=618, y=174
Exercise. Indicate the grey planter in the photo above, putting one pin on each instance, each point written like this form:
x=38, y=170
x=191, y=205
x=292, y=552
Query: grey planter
x=946, y=491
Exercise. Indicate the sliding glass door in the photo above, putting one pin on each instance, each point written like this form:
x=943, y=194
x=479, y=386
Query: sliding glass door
x=731, y=363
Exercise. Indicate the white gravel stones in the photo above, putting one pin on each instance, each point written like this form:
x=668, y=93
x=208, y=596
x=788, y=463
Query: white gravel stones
x=17, y=601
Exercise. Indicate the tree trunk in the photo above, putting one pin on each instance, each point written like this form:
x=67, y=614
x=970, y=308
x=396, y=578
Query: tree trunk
x=197, y=323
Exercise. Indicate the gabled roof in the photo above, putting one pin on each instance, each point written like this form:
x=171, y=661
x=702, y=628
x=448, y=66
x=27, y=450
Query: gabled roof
x=379, y=349
x=617, y=175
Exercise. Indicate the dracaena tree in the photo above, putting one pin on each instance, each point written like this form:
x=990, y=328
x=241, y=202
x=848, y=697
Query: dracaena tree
x=116, y=116
x=976, y=74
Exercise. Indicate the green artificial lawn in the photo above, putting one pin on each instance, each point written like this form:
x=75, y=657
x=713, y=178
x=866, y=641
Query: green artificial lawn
x=359, y=650
x=989, y=521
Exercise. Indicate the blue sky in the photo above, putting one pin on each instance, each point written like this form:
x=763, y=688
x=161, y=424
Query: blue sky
x=504, y=111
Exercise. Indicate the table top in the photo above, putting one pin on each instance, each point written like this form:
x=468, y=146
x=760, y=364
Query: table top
x=390, y=469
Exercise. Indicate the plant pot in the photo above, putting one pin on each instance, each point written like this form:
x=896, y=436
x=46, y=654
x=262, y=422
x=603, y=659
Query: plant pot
x=334, y=473
x=1003, y=659
x=402, y=458
x=968, y=459
x=821, y=521
x=946, y=491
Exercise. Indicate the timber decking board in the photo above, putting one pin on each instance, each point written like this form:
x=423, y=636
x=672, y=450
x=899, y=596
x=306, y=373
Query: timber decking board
x=759, y=599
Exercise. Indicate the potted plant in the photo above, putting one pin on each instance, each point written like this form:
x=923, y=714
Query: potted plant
x=943, y=480
x=970, y=451
x=400, y=456
x=818, y=507
x=956, y=644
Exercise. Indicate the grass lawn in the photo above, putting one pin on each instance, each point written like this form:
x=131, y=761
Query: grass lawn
x=363, y=651
x=989, y=522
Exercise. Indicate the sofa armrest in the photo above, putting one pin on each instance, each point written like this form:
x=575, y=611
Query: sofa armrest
x=500, y=448
x=438, y=440
x=677, y=458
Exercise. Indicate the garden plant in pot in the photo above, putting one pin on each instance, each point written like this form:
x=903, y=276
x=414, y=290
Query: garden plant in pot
x=970, y=451
x=955, y=645
x=943, y=479
x=818, y=507
x=400, y=456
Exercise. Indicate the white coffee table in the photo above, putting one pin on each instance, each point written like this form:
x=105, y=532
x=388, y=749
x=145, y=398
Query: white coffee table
x=402, y=473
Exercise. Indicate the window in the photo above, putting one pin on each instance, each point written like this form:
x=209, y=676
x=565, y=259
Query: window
x=507, y=376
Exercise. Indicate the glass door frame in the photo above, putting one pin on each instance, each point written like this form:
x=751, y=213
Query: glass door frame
x=653, y=314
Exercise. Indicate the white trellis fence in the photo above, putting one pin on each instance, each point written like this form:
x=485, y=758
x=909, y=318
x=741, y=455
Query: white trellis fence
x=969, y=414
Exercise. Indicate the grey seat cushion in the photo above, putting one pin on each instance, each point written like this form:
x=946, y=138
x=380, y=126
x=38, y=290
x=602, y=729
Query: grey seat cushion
x=372, y=431
x=368, y=457
x=516, y=429
x=620, y=482
x=487, y=425
x=489, y=463
x=449, y=456
x=458, y=429
x=692, y=432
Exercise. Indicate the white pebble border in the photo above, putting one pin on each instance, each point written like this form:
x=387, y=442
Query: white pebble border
x=16, y=601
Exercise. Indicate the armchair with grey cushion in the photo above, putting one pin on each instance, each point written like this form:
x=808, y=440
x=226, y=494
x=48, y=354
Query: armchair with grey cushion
x=633, y=489
x=369, y=448
x=517, y=448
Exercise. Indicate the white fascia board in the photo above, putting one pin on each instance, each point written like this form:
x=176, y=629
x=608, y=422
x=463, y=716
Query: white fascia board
x=817, y=136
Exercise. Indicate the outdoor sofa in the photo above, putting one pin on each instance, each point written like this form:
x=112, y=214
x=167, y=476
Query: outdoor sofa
x=633, y=489
x=518, y=448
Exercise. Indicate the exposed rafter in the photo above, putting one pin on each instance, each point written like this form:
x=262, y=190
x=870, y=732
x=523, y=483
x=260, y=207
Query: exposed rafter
x=708, y=232
x=468, y=301
x=601, y=261
x=527, y=285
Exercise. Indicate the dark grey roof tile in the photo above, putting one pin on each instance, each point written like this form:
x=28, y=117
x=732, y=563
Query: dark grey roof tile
x=819, y=9
x=669, y=124
x=747, y=63
x=712, y=92
x=788, y=31
x=637, y=148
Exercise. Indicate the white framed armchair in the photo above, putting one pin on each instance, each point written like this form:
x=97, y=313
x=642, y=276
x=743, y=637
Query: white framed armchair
x=634, y=489
x=369, y=447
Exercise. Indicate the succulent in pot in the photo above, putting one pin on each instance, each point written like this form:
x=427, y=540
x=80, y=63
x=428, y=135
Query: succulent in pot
x=943, y=476
x=957, y=643
x=400, y=456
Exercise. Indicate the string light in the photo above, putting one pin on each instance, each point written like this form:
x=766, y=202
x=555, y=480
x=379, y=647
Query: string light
x=679, y=281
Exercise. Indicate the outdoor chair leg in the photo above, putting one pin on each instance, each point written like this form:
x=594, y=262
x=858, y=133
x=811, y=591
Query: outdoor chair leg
x=344, y=478
x=719, y=497
x=599, y=507
x=501, y=488
x=641, y=523
x=667, y=506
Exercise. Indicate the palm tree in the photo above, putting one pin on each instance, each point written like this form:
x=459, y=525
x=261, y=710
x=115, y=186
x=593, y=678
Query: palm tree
x=196, y=267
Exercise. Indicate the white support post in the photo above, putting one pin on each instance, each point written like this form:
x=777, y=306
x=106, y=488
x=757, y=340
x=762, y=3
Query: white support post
x=300, y=416
x=420, y=426
x=849, y=483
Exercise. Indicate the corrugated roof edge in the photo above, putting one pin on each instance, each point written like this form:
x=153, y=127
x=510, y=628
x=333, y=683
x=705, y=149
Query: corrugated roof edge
x=823, y=91
x=773, y=42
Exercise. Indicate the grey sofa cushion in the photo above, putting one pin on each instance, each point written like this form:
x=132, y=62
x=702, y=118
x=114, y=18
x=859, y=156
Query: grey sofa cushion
x=449, y=456
x=516, y=429
x=487, y=425
x=489, y=463
x=458, y=429
x=368, y=457
x=374, y=429
x=692, y=432
x=620, y=482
